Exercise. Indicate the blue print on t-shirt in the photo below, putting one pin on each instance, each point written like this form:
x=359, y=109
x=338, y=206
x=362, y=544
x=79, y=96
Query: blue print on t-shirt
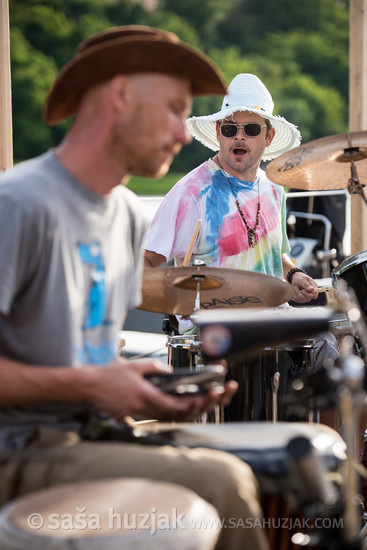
x=98, y=343
x=97, y=355
x=217, y=208
x=95, y=307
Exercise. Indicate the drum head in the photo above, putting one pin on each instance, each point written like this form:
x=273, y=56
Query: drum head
x=261, y=444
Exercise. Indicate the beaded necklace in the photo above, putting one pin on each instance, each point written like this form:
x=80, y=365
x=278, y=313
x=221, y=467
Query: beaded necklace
x=251, y=231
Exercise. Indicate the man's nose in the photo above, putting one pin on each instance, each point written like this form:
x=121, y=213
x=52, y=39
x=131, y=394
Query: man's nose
x=183, y=135
x=241, y=132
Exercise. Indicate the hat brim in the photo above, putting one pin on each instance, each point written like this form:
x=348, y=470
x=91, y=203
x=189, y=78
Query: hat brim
x=287, y=136
x=129, y=55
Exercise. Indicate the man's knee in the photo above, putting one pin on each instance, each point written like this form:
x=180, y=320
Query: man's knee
x=228, y=474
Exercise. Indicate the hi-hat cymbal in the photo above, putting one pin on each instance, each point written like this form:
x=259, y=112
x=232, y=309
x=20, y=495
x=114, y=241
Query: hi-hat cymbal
x=172, y=290
x=323, y=163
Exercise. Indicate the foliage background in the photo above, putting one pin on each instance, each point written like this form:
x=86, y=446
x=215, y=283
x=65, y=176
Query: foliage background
x=298, y=49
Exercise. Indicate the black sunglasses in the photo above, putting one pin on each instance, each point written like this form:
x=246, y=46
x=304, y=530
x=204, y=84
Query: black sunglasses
x=251, y=129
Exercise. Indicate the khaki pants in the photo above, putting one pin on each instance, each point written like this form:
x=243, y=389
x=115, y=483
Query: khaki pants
x=226, y=482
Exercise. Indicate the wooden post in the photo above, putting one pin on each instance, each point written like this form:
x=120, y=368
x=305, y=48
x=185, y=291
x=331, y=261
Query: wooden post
x=358, y=109
x=6, y=133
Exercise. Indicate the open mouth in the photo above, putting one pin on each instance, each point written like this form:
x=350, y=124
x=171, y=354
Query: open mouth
x=239, y=152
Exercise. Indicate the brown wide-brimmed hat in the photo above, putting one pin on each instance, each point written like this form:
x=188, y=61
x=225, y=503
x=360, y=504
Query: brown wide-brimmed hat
x=127, y=50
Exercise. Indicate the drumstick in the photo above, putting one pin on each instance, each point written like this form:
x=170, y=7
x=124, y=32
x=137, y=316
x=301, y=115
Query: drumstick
x=323, y=289
x=192, y=244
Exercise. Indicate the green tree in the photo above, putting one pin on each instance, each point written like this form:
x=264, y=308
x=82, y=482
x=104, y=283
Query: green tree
x=299, y=50
x=205, y=16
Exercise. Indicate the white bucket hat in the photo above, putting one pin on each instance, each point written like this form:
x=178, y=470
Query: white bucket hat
x=246, y=92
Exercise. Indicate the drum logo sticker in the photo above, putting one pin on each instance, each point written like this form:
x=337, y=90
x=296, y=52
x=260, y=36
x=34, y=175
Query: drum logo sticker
x=233, y=301
x=216, y=340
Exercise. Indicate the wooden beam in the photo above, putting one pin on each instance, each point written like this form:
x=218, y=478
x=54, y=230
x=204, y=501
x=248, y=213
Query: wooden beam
x=358, y=109
x=6, y=133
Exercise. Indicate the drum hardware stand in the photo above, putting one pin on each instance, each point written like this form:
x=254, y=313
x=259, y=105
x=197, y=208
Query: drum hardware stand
x=317, y=496
x=354, y=186
x=217, y=413
x=348, y=535
x=351, y=400
x=275, y=381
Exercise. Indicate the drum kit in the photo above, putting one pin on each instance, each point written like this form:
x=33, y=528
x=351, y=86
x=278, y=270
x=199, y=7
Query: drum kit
x=308, y=474
x=240, y=317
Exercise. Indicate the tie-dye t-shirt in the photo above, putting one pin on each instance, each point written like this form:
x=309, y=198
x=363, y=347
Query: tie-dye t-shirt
x=205, y=194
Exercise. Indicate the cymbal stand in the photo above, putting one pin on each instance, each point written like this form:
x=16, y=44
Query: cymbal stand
x=198, y=278
x=204, y=417
x=354, y=186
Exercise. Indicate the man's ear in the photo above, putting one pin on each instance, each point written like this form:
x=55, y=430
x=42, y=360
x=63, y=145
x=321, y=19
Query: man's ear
x=270, y=136
x=121, y=93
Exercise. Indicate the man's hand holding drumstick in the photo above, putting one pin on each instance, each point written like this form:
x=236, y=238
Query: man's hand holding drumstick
x=152, y=259
x=192, y=244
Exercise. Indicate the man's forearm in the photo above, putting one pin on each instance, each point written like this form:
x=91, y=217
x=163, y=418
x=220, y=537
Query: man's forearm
x=23, y=384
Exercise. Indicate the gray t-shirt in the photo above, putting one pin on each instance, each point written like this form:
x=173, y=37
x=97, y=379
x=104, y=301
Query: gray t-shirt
x=71, y=263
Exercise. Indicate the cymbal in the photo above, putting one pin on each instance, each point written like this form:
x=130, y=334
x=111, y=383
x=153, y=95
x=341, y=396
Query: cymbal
x=323, y=163
x=172, y=290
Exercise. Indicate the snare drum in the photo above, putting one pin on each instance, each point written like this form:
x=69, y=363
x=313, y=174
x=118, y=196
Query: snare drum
x=353, y=270
x=263, y=380
x=184, y=351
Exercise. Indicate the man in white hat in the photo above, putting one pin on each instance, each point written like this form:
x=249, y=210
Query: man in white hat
x=242, y=212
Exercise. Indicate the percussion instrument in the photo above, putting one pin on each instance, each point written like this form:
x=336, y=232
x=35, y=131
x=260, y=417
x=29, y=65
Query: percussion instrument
x=172, y=290
x=133, y=514
x=258, y=397
x=226, y=333
x=263, y=446
x=325, y=163
x=353, y=270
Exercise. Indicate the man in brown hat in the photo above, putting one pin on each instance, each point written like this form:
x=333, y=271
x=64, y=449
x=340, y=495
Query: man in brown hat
x=71, y=251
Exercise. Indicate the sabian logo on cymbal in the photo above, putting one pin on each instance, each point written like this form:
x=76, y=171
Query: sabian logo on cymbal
x=234, y=301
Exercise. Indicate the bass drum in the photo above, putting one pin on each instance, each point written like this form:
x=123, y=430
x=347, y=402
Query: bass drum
x=353, y=270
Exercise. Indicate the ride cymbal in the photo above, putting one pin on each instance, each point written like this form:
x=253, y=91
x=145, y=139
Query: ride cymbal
x=172, y=290
x=323, y=163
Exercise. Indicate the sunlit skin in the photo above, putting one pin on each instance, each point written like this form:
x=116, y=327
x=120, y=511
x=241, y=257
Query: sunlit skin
x=128, y=125
x=156, y=129
x=241, y=155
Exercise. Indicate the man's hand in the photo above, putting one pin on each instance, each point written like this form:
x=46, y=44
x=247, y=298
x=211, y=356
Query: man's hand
x=304, y=287
x=120, y=389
